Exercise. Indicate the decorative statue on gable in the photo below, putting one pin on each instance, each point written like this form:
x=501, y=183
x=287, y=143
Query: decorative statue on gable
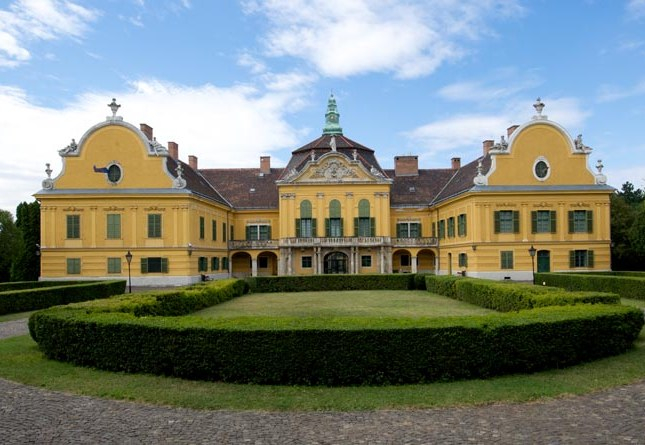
x=579, y=145
x=332, y=143
x=72, y=148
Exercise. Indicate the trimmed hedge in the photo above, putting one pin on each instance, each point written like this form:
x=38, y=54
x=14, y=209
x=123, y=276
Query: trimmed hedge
x=331, y=282
x=62, y=293
x=20, y=285
x=118, y=335
x=505, y=297
x=626, y=285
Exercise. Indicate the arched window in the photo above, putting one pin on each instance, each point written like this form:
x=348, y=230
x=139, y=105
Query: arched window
x=305, y=225
x=334, y=224
x=364, y=225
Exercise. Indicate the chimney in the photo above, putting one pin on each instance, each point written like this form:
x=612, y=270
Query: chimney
x=510, y=130
x=147, y=130
x=173, y=150
x=265, y=165
x=488, y=144
x=406, y=165
x=456, y=163
x=192, y=161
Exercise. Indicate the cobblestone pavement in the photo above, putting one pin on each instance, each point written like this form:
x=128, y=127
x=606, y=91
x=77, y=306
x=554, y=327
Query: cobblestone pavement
x=32, y=415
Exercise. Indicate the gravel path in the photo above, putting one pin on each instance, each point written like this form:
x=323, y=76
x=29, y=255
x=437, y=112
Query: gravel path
x=32, y=415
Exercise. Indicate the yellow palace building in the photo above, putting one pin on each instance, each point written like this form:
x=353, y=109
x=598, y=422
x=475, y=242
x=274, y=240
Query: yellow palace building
x=124, y=204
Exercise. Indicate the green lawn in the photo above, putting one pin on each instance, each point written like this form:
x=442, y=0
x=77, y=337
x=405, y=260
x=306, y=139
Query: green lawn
x=383, y=303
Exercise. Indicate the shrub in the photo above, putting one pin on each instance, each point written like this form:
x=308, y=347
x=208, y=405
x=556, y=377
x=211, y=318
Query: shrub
x=61, y=293
x=630, y=285
x=330, y=282
x=20, y=285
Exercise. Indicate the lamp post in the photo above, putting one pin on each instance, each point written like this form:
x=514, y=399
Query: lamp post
x=532, y=253
x=128, y=258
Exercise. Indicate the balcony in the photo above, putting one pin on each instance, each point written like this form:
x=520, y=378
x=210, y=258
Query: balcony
x=337, y=241
x=262, y=244
x=415, y=242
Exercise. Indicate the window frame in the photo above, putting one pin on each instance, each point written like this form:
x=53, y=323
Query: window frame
x=73, y=226
x=73, y=266
x=506, y=260
x=155, y=222
x=111, y=263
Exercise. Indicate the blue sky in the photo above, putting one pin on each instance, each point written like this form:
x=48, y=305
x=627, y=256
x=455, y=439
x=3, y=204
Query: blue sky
x=231, y=80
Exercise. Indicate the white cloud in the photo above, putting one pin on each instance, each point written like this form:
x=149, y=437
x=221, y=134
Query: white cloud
x=636, y=9
x=502, y=84
x=27, y=20
x=253, y=122
x=465, y=132
x=611, y=93
x=409, y=38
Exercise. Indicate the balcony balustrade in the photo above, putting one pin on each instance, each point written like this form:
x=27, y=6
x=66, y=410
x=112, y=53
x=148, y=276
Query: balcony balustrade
x=333, y=241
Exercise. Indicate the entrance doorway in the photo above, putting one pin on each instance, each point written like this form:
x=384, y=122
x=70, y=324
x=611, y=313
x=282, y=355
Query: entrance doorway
x=336, y=262
x=543, y=261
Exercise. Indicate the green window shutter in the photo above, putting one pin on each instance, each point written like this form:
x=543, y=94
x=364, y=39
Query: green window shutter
x=355, y=226
x=297, y=227
x=342, y=232
x=516, y=221
x=420, y=233
x=327, y=224
x=590, y=258
x=372, y=226
x=269, y=232
x=248, y=233
x=534, y=215
x=570, y=221
x=364, y=208
x=553, y=221
x=305, y=209
x=434, y=230
x=589, y=221
x=572, y=259
x=399, y=229
x=465, y=226
x=164, y=265
x=497, y=223
x=144, y=265
x=314, y=232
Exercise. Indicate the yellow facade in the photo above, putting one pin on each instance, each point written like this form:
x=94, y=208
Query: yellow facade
x=331, y=210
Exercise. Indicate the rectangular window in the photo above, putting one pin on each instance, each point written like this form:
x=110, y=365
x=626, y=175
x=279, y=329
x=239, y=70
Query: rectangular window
x=202, y=264
x=461, y=225
x=214, y=263
x=408, y=230
x=366, y=260
x=334, y=226
x=305, y=261
x=451, y=226
x=224, y=232
x=581, y=221
x=305, y=227
x=581, y=258
x=442, y=229
x=114, y=265
x=154, y=265
x=113, y=226
x=73, y=226
x=506, y=259
x=364, y=226
x=463, y=260
x=224, y=263
x=263, y=262
x=232, y=232
x=507, y=221
x=73, y=266
x=154, y=225
x=258, y=232
x=202, y=227
x=214, y=230
x=543, y=221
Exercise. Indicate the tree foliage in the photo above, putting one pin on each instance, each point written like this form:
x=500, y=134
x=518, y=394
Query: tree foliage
x=9, y=244
x=628, y=228
x=26, y=264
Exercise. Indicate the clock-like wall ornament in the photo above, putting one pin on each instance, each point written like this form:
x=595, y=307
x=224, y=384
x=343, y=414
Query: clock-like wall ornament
x=541, y=169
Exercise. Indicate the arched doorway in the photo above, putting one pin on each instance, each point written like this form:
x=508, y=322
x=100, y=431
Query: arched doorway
x=402, y=261
x=426, y=261
x=267, y=264
x=543, y=261
x=336, y=262
x=241, y=265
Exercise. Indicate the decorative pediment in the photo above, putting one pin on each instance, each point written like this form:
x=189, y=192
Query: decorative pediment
x=335, y=168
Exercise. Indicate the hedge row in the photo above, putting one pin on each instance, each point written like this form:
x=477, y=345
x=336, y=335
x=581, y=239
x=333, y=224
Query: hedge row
x=331, y=282
x=626, y=286
x=506, y=297
x=435, y=350
x=62, y=293
x=20, y=285
x=117, y=334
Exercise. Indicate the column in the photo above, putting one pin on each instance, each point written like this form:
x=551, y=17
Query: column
x=413, y=263
x=254, y=267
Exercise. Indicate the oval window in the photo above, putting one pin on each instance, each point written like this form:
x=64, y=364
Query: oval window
x=114, y=173
x=541, y=169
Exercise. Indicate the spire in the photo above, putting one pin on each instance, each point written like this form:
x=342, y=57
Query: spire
x=332, y=125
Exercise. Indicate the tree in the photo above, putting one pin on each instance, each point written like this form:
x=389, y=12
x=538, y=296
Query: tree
x=26, y=265
x=10, y=242
x=628, y=228
x=631, y=196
